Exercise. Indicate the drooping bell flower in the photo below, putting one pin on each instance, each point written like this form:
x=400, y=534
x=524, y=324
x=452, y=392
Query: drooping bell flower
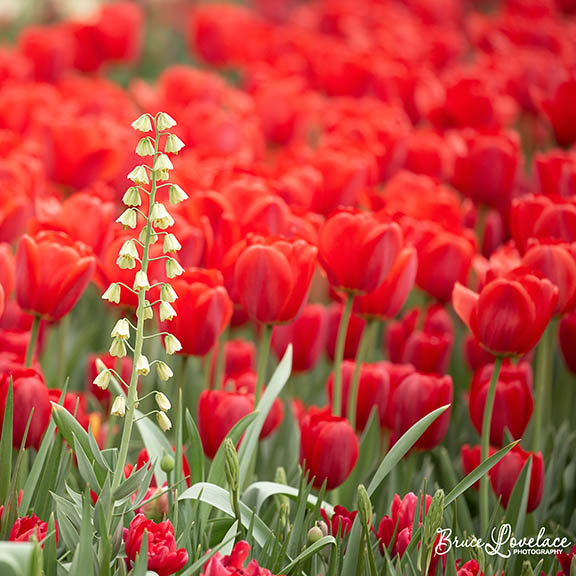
x=328, y=446
x=30, y=393
x=164, y=557
x=359, y=264
x=203, y=310
x=389, y=298
x=416, y=396
x=510, y=314
x=504, y=475
x=373, y=392
x=307, y=334
x=272, y=278
x=104, y=396
x=52, y=273
x=513, y=402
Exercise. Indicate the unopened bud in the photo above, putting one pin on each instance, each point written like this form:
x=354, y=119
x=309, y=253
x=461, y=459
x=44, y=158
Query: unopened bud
x=167, y=463
x=139, y=175
x=364, y=506
x=141, y=281
x=112, y=293
x=163, y=402
x=168, y=294
x=173, y=268
x=164, y=371
x=119, y=406
x=102, y=380
x=132, y=197
x=172, y=344
x=232, y=467
x=314, y=534
x=167, y=311
x=142, y=366
x=118, y=348
x=128, y=218
x=176, y=194
x=145, y=147
x=173, y=144
x=163, y=421
x=142, y=123
x=121, y=329
x=165, y=122
x=171, y=244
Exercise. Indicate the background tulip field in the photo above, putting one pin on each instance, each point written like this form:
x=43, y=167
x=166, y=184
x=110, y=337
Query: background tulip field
x=288, y=287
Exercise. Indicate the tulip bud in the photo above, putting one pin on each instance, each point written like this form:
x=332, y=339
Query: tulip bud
x=173, y=268
x=121, y=330
x=118, y=348
x=163, y=421
x=165, y=121
x=162, y=401
x=139, y=175
x=103, y=379
x=164, y=371
x=142, y=366
x=432, y=523
x=167, y=463
x=168, y=294
x=232, y=468
x=171, y=244
x=173, y=144
x=145, y=147
x=119, y=406
x=112, y=293
x=141, y=281
x=314, y=534
x=163, y=163
x=172, y=344
x=142, y=123
x=132, y=197
x=160, y=217
x=167, y=312
x=128, y=218
x=364, y=506
x=176, y=194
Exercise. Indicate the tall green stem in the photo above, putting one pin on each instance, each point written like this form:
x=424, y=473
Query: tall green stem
x=220, y=357
x=544, y=376
x=263, y=351
x=132, y=398
x=485, y=448
x=339, y=355
x=361, y=354
x=33, y=341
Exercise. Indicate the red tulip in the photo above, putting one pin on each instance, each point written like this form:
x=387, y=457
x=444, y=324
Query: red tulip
x=143, y=459
x=510, y=314
x=418, y=395
x=7, y=269
x=556, y=173
x=329, y=447
x=476, y=356
x=307, y=334
x=513, y=402
x=565, y=560
x=427, y=153
x=504, y=476
x=30, y=393
x=567, y=339
x=471, y=458
x=470, y=568
x=74, y=403
x=273, y=278
x=239, y=357
x=389, y=298
x=557, y=262
x=218, y=412
x=28, y=528
x=52, y=273
x=163, y=556
x=203, y=311
x=396, y=374
x=361, y=263
x=340, y=522
x=560, y=112
x=233, y=565
x=373, y=391
x=428, y=349
x=353, y=334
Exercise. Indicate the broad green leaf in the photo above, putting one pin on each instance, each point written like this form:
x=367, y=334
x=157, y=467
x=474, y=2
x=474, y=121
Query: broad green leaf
x=309, y=552
x=195, y=451
x=131, y=484
x=141, y=563
x=49, y=548
x=402, y=446
x=85, y=466
x=353, y=549
x=17, y=559
x=6, y=445
x=249, y=445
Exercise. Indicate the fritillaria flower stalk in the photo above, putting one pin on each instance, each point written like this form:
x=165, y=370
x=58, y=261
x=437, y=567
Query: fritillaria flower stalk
x=148, y=179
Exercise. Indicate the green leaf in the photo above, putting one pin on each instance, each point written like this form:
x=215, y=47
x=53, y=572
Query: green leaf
x=309, y=552
x=218, y=497
x=352, y=555
x=17, y=559
x=131, y=484
x=141, y=562
x=6, y=444
x=49, y=549
x=195, y=451
x=85, y=466
x=249, y=445
x=397, y=452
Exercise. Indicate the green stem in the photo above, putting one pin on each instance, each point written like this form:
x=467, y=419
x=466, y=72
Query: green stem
x=33, y=341
x=544, y=375
x=263, y=351
x=219, y=372
x=486, y=425
x=361, y=354
x=62, y=336
x=339, y=355
x=132, y=399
